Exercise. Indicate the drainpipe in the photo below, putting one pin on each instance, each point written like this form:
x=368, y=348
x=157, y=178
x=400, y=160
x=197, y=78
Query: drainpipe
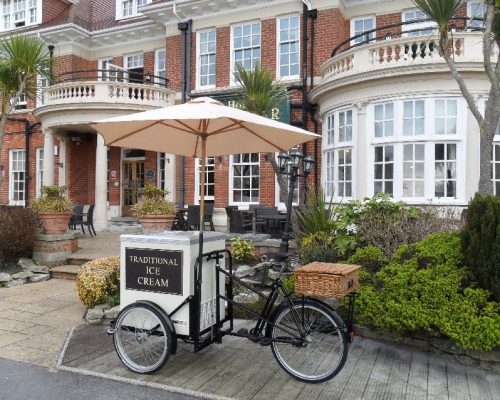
x=313, y=15
x=185, y=27
x=305, y=8
x=28, y=130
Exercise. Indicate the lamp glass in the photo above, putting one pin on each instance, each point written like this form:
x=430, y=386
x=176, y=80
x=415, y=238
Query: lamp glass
x=283, y=158
x=296, y=157
x=308, y=163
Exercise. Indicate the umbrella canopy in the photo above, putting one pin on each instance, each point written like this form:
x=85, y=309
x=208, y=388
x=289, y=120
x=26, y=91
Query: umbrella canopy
x=202, y=127
x=180, y=129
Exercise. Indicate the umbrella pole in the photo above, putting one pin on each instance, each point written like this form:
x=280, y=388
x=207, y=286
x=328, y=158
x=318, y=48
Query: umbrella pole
x=197, y=298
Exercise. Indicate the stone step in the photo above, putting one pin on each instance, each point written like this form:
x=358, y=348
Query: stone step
x=65, y=272
x=78, y=260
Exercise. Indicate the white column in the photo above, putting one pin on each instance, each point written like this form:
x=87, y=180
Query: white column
x=48, y=157
x=170, y=176
x=62, y=161
x=361, y=151
x=101, y=184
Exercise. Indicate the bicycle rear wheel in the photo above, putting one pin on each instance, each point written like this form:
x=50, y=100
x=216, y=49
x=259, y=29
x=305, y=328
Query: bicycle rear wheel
x=142, y=338
x=312, y=344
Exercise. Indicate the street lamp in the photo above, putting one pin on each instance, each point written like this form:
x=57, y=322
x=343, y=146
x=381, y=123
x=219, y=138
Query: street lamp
x=289, y=164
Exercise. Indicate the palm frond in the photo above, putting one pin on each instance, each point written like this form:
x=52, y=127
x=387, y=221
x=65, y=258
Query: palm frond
x=261, y=92
x=441, y=12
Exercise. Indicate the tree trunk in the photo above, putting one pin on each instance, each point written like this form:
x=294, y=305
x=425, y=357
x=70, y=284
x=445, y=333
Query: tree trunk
x=485, y=172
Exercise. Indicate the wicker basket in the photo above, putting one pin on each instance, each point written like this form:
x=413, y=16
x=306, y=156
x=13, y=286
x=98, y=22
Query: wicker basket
x=326, y=279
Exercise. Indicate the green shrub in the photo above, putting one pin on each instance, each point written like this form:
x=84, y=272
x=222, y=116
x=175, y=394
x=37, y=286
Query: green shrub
x=52, y=200
x=318, y=246
x=371, y=258
x=421, y=291
x=316, y=216
x=98, y=280
x=18, y=226
x=242, y=250
x=154, y=203
x=289, y=284
x=481, y=242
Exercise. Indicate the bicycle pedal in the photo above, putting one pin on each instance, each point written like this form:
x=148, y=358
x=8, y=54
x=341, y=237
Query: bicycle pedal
x=243, y=331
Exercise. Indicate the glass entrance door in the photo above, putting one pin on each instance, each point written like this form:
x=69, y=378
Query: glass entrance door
x=133, y=184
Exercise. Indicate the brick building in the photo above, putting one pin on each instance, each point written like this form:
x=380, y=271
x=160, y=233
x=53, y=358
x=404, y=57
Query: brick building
x=392, y=117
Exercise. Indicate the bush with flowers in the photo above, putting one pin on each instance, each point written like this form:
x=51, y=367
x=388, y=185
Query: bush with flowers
x=98, y=280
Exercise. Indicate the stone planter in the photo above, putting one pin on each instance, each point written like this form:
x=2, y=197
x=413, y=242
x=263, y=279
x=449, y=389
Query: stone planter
x=54, y=223
x=156, y=223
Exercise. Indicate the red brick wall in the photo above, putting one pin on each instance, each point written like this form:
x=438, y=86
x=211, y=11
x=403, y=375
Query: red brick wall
x=54, y=9
x=223, y=56
x=81, y=169
x=15, y=139
x=388, y=19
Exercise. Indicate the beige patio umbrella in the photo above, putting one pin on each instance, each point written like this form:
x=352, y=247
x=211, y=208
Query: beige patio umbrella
x=201, y=128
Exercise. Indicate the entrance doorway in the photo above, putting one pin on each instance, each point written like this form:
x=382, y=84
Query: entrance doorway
x=133, y=184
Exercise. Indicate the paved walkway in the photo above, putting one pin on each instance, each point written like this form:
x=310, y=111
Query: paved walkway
x=240, y=369
x=35, y=320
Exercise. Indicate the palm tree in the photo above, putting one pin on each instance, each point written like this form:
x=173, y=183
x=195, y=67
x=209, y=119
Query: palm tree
x=442, y=12
x=22, y=59
x=261, y=94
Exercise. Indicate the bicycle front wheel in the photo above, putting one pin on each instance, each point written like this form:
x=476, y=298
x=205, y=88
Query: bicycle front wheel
x=310, y=341
x=142, y=338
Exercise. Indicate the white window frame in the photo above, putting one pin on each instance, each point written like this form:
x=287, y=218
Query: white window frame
x=231, y=180
x=363, y=18
x=135, y=6
x=429, y=139
x=106, y=63
x=41, y=84
x=233, y=50
x=12, y=171
x=413, y=118
x=39, y=171
x=494, y=161
x=198, y=59
x=386, y=120
x=278, y=47
x=446, y=161
x=414, y=162
x=384, y=180
x=446, y=117
x=480, y=11
x=160, y=66
x=422, y=26
x=331, y=150
x=140, y=60
x=197, y=178
x=29, y=6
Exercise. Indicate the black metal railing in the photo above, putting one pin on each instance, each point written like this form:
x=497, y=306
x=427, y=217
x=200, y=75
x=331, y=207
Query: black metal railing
x=110, y=75
x=383, y=32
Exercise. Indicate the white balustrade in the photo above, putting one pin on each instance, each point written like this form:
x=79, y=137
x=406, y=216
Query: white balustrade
x=107, y=92
x=406, y=51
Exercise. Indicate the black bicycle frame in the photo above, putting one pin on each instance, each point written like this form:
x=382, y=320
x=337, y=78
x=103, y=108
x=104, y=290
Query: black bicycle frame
x=202, y=339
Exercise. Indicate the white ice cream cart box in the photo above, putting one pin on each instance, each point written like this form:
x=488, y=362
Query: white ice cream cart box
x=159, y=267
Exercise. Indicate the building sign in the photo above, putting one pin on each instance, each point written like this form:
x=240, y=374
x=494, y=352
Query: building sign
x=150, y=174
x=153, y=270
x=281, y=113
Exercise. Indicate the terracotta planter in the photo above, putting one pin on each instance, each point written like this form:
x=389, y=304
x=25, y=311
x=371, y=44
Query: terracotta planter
x=54, y=223
x=156, y=223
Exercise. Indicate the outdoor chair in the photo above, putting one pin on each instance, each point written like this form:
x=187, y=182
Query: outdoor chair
x=239, y=221
x=88, y=220
x=76, y=217
x=193, y=216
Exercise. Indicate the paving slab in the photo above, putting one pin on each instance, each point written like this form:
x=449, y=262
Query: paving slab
x=240, y=369
x=35, y=320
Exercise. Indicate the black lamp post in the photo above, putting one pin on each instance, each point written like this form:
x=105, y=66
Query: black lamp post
x=51, y=55
x=289, y=164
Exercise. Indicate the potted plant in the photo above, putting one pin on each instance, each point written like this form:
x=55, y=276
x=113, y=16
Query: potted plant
x=54, y=209
x=155, y=213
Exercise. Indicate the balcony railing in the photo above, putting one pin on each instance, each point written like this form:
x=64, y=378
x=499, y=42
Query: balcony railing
x=108, y=86
x=400, y=53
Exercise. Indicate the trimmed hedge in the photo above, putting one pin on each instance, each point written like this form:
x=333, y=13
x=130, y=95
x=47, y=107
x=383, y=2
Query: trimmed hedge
x=423, y=290
x=98, y=280
x=481, y=242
